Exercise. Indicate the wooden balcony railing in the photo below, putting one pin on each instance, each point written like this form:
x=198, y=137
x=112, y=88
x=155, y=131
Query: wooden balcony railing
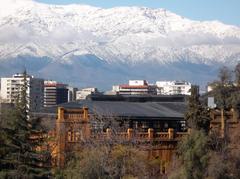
x=73, y=137
x=150, y=135
x=161, y=135
x=73, y=116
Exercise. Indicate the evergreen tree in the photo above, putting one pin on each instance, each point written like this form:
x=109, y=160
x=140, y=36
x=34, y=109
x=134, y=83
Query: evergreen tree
x=194, y=156
x=6, y=142
x=237, y=74
x=197, y=114
x=21, y=137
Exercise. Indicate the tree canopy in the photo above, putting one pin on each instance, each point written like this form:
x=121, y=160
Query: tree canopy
x=20, y=140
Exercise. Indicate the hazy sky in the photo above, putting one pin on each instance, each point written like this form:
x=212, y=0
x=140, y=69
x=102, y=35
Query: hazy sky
x=227, y=11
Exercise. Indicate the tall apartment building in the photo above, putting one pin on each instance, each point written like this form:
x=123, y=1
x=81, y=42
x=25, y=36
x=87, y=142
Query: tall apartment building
x=54, y=93
x=173, y=87
x=83, y=93
x=135, y=87
x=11, y=90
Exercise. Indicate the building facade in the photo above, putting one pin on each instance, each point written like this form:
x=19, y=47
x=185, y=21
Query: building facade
x=143, y=120
x=173, y=88
x=11, y=88
x=72, y=93
x=54, y=93
x=73, y=128
x=83, y=93
x=135, y=87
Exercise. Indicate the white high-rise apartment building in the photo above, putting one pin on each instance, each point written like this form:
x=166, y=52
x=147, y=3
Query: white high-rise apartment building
x=173, y=87
x=11, y=89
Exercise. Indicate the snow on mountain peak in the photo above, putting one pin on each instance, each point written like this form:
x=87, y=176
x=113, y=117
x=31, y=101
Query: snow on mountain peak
x=15, y=1
x=127, y=34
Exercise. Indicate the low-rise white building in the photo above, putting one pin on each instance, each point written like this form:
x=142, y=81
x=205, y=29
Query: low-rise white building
x=11, y=89
x=173, y=87
x=135, y=87
x=83, y=93
x=209, y=88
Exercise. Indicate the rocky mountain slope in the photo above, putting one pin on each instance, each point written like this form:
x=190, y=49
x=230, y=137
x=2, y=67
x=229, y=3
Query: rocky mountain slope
x=95, y=46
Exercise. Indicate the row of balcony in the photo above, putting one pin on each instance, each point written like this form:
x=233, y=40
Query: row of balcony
x=130, y=134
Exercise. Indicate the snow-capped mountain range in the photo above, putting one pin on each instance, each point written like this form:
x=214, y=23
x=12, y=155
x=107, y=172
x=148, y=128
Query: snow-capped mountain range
x=95, y=39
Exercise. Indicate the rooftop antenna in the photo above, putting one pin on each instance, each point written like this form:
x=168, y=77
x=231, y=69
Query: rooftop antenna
x=24, y=69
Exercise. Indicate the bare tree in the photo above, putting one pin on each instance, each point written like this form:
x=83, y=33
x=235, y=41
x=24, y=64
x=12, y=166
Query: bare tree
x=109, y=152
x=225, y=75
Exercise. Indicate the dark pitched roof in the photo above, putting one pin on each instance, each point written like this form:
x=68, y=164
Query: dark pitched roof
x=138, y=98
x=125, y=109
x=137, y=109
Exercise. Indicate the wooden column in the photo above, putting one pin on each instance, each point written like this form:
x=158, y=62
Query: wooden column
x=85, y=114
x=234, y=114
x=150, y=133
x=170, y=133
x=109, y=133
x=223, y=124
x=130, y=133
x=60, y=116
x=61, y=138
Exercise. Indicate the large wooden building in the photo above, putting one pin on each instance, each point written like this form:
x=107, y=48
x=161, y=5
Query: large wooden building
x=154, y=121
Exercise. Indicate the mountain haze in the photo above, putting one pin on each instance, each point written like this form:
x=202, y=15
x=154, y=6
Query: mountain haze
x=91, y=46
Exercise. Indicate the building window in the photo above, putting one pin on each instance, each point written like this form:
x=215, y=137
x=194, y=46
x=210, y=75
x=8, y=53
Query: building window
x=70, y=136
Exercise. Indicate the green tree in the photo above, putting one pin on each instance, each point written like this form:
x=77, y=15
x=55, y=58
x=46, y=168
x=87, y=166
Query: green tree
x=237, y=74
x=197, y=114
x=6, y=145
x=193, y=151
x=21, y=137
